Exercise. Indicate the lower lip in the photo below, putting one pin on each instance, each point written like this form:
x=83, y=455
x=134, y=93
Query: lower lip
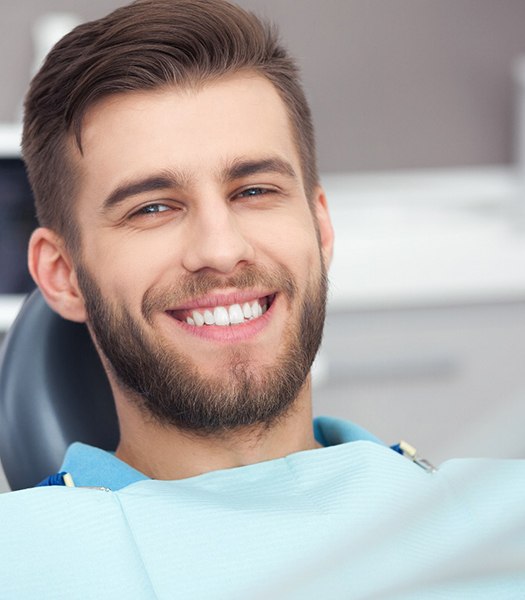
x=228, y=333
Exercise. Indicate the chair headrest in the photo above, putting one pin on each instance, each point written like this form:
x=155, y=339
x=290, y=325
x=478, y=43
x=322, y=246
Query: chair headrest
x=53, y=391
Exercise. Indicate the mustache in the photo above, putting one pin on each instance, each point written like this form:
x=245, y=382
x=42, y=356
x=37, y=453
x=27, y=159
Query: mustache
x=191, y=286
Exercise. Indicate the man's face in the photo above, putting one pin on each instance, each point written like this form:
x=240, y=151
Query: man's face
x=201, y=269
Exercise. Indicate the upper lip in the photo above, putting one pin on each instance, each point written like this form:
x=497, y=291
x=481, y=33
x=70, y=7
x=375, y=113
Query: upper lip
x=223, y=299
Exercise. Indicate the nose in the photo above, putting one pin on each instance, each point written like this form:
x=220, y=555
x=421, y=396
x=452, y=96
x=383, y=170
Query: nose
x=216, y=241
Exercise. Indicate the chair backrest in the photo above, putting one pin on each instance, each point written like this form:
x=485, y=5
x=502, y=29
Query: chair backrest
x=53, y=391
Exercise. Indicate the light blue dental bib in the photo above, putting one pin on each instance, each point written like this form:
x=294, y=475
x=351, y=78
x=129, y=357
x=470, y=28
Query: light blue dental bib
x=352, y=521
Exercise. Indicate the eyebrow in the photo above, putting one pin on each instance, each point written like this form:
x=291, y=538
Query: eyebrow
x=244, y=168
x=160, y=181
x=169, y=180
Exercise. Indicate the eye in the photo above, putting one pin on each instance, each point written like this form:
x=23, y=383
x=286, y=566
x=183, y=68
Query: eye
x=253, y=191
x=150, y=209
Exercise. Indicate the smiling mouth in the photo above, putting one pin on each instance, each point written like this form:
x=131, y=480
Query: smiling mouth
x=227, y=315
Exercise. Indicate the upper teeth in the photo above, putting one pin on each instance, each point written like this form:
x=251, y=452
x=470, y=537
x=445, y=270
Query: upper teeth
x=227, y=315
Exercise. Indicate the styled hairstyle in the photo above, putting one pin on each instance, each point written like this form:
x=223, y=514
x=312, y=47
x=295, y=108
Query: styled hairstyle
x=146, y=45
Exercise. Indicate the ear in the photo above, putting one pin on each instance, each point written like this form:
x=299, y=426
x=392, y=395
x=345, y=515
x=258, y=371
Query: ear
x=52, y=269
x=324, y=225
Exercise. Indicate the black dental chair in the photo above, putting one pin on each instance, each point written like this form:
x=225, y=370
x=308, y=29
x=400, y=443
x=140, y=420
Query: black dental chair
x=53, y=391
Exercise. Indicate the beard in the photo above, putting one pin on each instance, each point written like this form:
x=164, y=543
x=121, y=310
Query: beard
x=167, y=385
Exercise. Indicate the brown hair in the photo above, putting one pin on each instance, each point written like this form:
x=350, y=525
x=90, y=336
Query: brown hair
x=147, y=44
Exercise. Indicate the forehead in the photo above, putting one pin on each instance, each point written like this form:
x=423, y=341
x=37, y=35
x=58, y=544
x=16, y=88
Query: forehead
x=193, y=130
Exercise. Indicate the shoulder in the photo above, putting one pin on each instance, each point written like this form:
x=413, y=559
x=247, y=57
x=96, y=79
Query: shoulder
x=493, y=489
x=51, y=531
x=55, y=509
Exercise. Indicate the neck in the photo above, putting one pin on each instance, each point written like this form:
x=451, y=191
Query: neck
x=162, y=452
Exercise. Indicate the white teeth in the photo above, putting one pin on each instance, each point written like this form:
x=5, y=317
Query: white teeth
x=220, y=315
x=198, y=318
x=256, y=310
x=232, y=315
x=235, y=314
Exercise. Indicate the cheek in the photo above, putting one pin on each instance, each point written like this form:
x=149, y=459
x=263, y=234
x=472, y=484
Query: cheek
x=295, y=232
x=293, y=241
x=127, y=267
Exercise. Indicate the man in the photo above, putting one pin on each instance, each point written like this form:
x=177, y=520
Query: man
x=171, y=153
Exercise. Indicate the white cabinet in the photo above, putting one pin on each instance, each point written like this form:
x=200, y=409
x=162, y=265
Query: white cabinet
x=449, y=380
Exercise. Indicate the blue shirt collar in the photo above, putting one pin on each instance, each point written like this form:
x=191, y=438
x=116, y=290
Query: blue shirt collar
x=93, y=467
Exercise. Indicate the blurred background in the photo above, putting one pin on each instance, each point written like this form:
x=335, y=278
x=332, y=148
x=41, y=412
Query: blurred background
x=419, y=108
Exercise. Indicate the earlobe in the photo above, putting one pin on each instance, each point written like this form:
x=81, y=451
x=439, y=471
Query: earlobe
x=52, y=269
x=324, y=225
